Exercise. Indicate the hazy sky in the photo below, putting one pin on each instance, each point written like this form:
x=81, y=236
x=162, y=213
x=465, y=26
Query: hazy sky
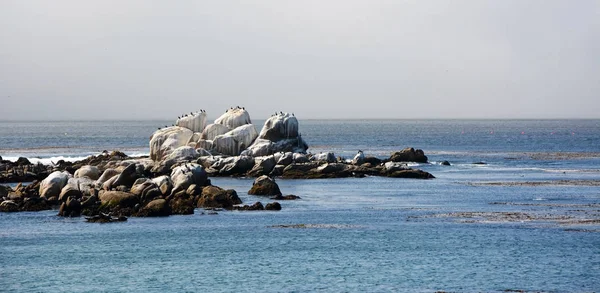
x=320, y=59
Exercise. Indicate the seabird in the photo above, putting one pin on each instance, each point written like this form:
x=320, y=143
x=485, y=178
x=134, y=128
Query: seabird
x=243, y=108
x=292, y=114
x=159, y=128
x=191, y=113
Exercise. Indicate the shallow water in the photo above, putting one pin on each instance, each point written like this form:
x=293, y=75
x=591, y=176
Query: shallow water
x=354, y=234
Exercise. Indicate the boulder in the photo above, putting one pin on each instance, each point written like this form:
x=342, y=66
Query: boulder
x=279, y=134
x=164, y=183
x=237, y=166
x=112, y=199
x=374, y=161
x=70, y=190
x=182, y=203
x=273, y=206
x=234, y=118
x=126, y=178
x=257, y=206
x=91, y=172
x=106, y=175
x=9, y=206
x=280, y=126
x=145, y=189
x=359, y=158
x=196, y=122
x=445, y=163
x=390, y=167
x=328, y=157
x=286, y=158
x=70, y=208
x=185, y=175
x=213, y=130
x=156, y=208
x=53, y=184
x=235, y=141
x=409, y=155
x=264, y=185
x=178, y=155
x=300, y=158
x=165, y=140
x=411, y=173
x=262, y=166
x=216, y=197
x=5, y=190
x=35, y=204
x=22, y=161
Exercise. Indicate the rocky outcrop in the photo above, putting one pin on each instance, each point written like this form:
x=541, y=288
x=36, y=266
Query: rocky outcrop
x=273, y=206
x=91, y=172
x=213, y=130
x=178, y=155
x=264, y=185
x=235, y=141
x=234, y=118
x=195, y=121
x=279, y=134
x=216, y=197
x=409, y=155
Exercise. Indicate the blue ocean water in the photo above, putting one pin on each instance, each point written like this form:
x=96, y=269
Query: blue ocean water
x=369, y=234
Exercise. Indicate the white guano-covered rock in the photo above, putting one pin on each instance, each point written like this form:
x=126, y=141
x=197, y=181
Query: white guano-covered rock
x=187, y=174
x=193, y=121
x=279, y=134
x=234, y=142
x=213, y=130
x=234, y=118
x=53, y=184
x=165, y=140
x=280, y=126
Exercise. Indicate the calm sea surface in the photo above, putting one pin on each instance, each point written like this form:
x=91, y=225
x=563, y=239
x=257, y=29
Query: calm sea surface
x=345, y=235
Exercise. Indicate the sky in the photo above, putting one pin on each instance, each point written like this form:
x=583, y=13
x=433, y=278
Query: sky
x=337, y=59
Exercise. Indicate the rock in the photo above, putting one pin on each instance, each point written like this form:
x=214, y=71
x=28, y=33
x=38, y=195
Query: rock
x=328, y=157
x=280, y=126
x=145, y=189
x=105, y=218
x=238, y=166
x=165, y=140
x=445, y=163
x=35, y=204
x=185, y=175
x=9, y=206
x=411, y=173
x=106, y=175
x=299, y=170
x=372, y=160
x=277, y=170
x=155, y=208
x=91, y=172
x=257, y=206
x=164, y=183
x=286, y=159
x=273, y=206
x=390, y=167
x=234, y=118
x=235, y=141
x=178, y=155
x=22, y=161
x=70, y=208
x=53, y=184
x=196, y=122
x=5, y=190
x=264, y=185
x=113, y=199
x=279, y=134
x=262, y=166
x=127, y=177
x=213, y=130
x=216, y=197
x=409, y=155
x=182, y=203
x=331, y=168
x=479, y=163
x=300, y=158
x=71, y=190
x=286, y=197
x=359, y=158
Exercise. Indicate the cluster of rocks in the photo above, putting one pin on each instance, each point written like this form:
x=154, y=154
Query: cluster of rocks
x=116, y=193
x=22, y=170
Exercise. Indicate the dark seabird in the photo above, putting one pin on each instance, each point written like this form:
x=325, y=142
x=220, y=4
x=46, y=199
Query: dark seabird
x=243, y=108
x=159, y=128
x=166, y=126
x=292, y=114
x=191, y=113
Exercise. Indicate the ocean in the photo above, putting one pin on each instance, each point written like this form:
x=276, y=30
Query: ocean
x=518, y=209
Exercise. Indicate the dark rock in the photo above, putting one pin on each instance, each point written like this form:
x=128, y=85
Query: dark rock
x=35, y=204
x=117, y=199
x=105, y=218
x=127, y=177
x=411, y=173
x=182, y=203
x=257, y=206
x=155, y=208
x=372, y=160
x=70, y=208
x=4, y=191
x=22, y=161
x=480, y=163
x=409, y=155
x=262, y=166
x=217, y=197
x=286, y=197
x=9, y=206
x=277, y=170
x=264, y=185
x=445, y=163
x=240, y=165
x=273, y=206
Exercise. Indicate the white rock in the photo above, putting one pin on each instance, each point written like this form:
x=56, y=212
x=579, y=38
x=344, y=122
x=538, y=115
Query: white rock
x=234, y=118
x=91, y=172
x=328, y=157
x=185, y=175
x=280, y=126
x=213, y=130
x=53, y=184
x=359, y=158
x=165, y=140
x=194, y=121
x=395, y=166
x=234, y=142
